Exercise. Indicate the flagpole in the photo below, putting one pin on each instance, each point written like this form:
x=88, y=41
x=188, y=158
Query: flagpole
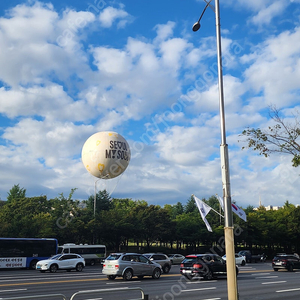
x=228, y=228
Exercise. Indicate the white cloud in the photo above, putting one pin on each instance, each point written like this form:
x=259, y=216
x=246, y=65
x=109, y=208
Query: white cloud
x=60, y=86
x=265, y=16
x=275, y=69
x=110, y=14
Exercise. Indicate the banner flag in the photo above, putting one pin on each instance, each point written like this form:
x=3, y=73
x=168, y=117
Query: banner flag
x=238, y=211
x=204, y=209
x=221, y=202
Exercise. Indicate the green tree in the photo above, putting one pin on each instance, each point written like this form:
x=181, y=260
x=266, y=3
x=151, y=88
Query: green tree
x=103, y=202
x=16, y=193
x=190, y=205
x=26, y=217
x=282, y=137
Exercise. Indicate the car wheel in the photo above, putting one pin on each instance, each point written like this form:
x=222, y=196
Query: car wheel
x=111, y=277
x=92, y=262
x=243, y=263
x=128, y=274
x=33, y=264
x=79, y=267
x=290, y=268
x=209, y=275
x=156, y=273
x=53, y=268
x=275, y=270
x=166, y=269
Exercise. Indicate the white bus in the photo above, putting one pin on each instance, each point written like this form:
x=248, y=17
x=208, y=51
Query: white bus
x=91, y=253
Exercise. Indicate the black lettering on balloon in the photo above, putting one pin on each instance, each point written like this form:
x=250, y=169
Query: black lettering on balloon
x=107, y=153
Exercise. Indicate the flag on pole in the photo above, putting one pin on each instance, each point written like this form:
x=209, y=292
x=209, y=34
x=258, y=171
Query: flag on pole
x=221, y=202
x=204, y=209
x=239, y=212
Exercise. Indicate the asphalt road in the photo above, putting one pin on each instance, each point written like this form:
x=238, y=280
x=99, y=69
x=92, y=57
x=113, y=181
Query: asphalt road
x=255, y=281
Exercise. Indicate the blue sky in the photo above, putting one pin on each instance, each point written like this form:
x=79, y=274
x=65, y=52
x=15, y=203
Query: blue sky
x=69, y=69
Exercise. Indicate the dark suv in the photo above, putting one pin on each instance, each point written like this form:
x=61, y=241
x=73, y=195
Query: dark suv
x=206, y=266
x=161, y=259
x=286, y=261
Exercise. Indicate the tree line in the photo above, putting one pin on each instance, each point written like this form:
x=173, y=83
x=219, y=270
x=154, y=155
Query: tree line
x=126, y=224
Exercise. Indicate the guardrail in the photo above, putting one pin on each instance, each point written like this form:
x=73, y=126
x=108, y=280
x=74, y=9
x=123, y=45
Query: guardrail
x=144, y=297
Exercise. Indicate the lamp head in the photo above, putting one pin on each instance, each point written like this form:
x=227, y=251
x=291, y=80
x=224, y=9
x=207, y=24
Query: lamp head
x=196, y=26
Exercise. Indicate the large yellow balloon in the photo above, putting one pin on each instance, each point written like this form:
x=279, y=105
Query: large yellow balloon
x=105, y=154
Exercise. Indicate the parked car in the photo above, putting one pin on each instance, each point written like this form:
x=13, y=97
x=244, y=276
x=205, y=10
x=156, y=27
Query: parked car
x=67, y=262
x=205, y=266
x=176, y=258
x=239, y=259
x=161, y=259
x=286, y=261
x=250, y=257
x=128, y=265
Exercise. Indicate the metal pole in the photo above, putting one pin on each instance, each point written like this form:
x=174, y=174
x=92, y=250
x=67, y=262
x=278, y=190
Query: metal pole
x=228, y=228
x=95, y=199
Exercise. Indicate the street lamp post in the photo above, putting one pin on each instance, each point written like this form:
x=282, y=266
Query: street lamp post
x=228, y=228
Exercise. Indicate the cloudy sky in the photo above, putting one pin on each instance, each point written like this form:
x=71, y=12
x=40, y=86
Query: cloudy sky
x=69, y=69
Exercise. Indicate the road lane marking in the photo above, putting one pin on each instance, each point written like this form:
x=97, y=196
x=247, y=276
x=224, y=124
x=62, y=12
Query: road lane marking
x=290, y=290
x=210, y=281
x=91, y=279
x=50, y=282
x=14, y=290
x=266, y=277
x=122, y=282
x=48, y=278
x=203, y=289
x=275, y=282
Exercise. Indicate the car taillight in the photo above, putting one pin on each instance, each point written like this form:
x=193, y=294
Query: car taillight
x=104, y=265
x=116, y=266
x=284, y=261
x=197, y=266
x=181, y=265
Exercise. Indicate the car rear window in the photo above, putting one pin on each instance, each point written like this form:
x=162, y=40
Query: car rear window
x=190, y=259
x=113, y=257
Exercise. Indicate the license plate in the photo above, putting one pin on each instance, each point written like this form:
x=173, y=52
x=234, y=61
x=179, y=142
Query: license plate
x=186, y=271
x=278, y=263
x=38, y=267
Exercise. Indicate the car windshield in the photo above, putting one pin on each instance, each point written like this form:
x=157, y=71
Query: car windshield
x=113, y=257
x=147, y=255
x=171, y=255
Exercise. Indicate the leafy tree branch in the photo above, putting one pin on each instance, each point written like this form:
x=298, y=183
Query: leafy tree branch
x=282, y=137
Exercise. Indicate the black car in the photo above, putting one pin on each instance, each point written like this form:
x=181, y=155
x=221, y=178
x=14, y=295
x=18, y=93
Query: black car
x=286, y=261
x=207, y=266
